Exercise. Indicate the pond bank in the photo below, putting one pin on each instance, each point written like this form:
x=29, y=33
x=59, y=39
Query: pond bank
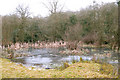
x=75, y=48
x=81, y=50
x=76, y=70
x=50, y=57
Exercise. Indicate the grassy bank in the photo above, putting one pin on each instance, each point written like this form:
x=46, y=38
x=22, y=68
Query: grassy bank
x=76, y=70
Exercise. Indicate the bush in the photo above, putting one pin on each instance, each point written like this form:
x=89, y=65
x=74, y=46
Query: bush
x=89, y=39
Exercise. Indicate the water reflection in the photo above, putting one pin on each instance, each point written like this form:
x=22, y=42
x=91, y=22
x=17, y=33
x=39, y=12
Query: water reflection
x=77, y=58
x=37, y=60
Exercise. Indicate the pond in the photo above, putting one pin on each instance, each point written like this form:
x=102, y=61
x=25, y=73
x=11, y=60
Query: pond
x=51, y=58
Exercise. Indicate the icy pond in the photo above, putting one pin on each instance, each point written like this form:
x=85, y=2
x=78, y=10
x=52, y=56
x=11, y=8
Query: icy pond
x=50, y=57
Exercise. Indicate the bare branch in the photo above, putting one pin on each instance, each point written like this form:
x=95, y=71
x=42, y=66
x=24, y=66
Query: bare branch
x=53, y=6
x=22, y=12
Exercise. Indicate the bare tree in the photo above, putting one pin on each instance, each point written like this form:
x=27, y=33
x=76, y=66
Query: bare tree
x=54, y=6
x=23, y=13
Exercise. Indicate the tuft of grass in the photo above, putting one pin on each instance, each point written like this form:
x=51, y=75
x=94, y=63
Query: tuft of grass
x=74, y=61
x=64, y=66
x=81, y=60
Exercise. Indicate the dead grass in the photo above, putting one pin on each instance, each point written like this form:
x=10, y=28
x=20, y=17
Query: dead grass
x=76, y=70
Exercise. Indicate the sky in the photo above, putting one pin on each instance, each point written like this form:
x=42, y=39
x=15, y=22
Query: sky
x=38, y=9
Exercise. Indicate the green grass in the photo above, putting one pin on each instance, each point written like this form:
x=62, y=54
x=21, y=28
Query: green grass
x=76, y=70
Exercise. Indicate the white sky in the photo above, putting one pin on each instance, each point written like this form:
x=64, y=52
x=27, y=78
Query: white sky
x=37, y=8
